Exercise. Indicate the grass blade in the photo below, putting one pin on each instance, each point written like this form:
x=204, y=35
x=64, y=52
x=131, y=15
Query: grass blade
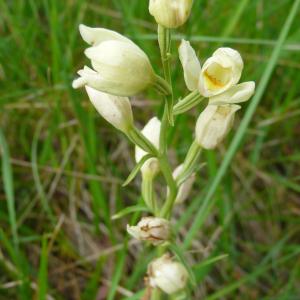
x=43, y=277
x=9, y=188
x=129, y=210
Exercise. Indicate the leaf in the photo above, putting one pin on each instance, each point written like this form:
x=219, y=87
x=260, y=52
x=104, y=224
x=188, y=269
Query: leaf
x=8, y=184
x=136, y=169
x=129, y=210
x=43, y=271
x=211, y=260
x=180, y=255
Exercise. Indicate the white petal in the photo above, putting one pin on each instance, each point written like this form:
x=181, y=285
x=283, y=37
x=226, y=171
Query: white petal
x=190, y=64
x=214, y=123
x=95, y=36
x=124, y=66
x=231, y=54
x=91, y=78
x=237, y=94
x=115, y=110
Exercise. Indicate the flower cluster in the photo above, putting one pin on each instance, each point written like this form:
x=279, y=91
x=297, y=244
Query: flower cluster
x=121, y=69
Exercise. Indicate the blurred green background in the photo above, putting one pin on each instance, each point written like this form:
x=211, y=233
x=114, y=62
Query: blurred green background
x=63, y=165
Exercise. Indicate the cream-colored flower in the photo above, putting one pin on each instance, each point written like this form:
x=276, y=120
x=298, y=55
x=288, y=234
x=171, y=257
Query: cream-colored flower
x=114, y=109
x=185, y=188
x=120, y=66
x=168, y=275
x=170, y=13
x=151, y=229
x=219, y=73
x=238, y=93
x=152, y=132
x=214, y=123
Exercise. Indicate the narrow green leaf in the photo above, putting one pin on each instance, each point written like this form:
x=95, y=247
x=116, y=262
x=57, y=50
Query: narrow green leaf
x=210, y=261
x=92, y=286
x=8, y=187
x=259, y=270
x=43, y=271
x=129, y=210
x=136, y=296
x=180, y=256
x=117, y=272
x=136, y=169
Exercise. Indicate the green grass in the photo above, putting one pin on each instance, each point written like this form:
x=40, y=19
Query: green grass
x=62, y=166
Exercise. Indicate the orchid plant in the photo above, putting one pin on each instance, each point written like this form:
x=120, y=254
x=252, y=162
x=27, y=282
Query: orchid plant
x=121, y=69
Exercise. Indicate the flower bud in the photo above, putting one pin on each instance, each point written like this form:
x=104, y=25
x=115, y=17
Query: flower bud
x=114, y=109
x=220, y=72
x=170, y=13
x=185, y=188
x=214, y=123
x=120, y=67
x=166, y=274
x=154, y=230
x=152, y=132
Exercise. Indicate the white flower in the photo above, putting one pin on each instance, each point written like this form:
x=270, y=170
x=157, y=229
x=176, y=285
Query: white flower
x=214, y=123
x=166, y=274
x=236, y=94
x=114, y=109
x=152, y=229
x=170, y=13
x=185, y=188
x=152, y=132
x=120, y=66
x=219, y=73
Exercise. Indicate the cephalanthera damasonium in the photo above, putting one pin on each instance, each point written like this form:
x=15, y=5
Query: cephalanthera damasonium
x=121, y=69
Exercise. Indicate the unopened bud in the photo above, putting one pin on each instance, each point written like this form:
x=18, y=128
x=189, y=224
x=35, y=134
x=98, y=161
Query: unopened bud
x=170, y=13
x=168, y=275
x=120, y=66
x=214, y=123
x=185, y=188
x=152, y=229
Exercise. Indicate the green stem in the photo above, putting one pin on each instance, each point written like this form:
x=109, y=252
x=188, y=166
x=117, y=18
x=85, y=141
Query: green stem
x=187, y=103
x=167, y=172
x=189, y=165
x=148, y=193
x=156, y=293
x=163, y=132
x=164, y=41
